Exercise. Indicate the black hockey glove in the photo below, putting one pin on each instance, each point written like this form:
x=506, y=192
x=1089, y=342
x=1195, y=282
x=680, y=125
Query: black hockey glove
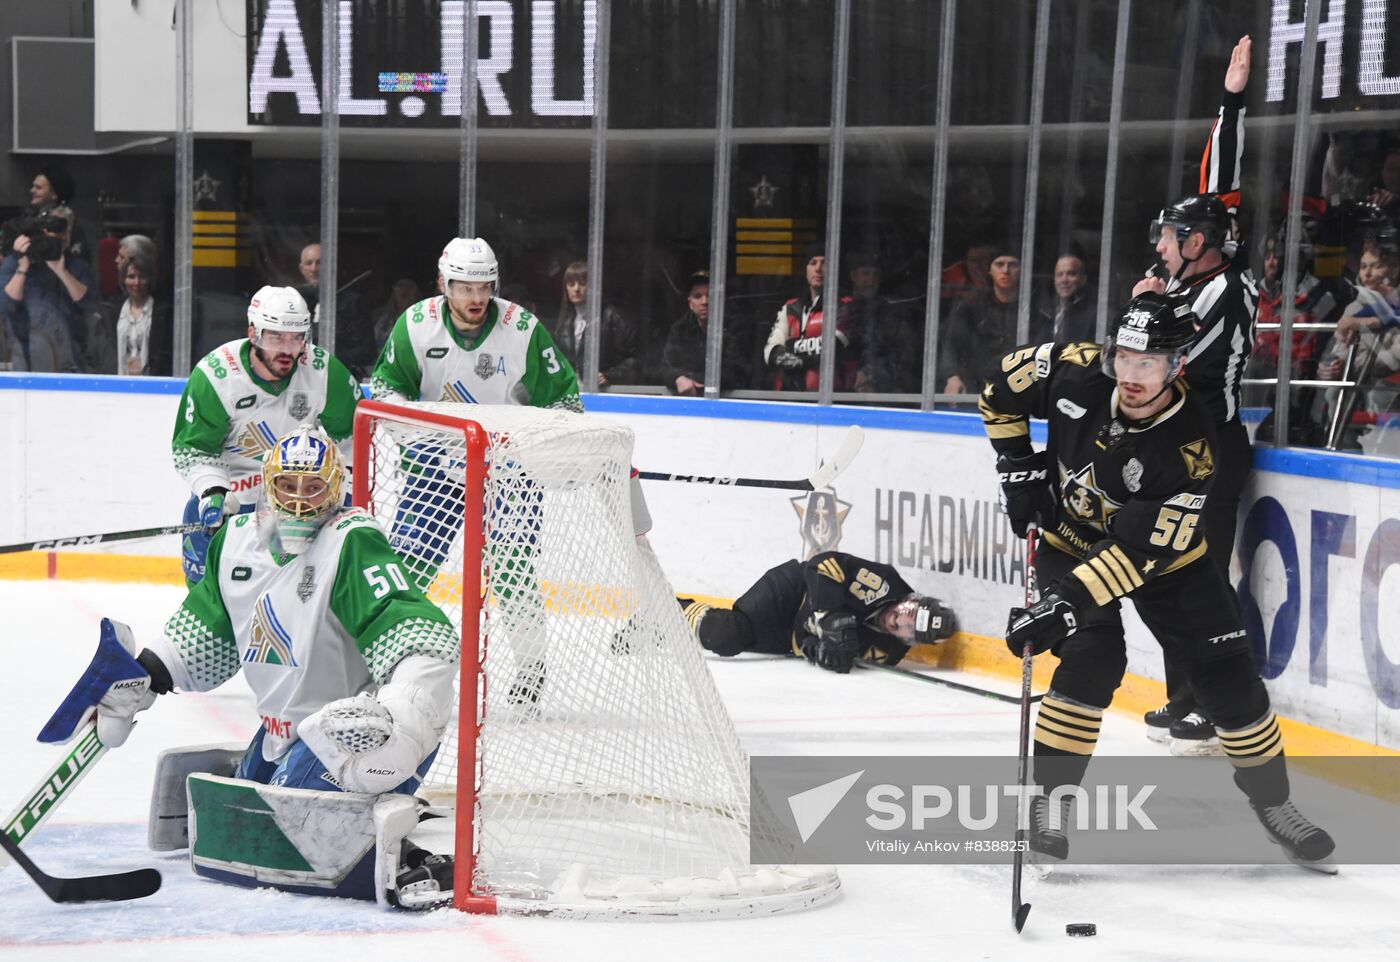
x=785, y=360
x=834, y=642
x=1025, y=490
x=1044, y=624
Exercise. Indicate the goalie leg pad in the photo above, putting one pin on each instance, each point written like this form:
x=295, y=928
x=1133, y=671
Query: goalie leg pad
x=168, y=826
x=313, y=843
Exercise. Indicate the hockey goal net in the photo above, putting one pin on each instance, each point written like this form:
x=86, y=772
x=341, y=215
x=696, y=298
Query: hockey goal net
x=591, y=765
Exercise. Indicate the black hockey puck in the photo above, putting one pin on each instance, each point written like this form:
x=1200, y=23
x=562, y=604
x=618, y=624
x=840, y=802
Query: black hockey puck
x=1081, y=929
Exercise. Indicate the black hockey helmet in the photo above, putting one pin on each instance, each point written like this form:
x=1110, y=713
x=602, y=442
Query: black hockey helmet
x=1198, y=213
x=932, y=621
x=1359, y=223
x=1151, y=324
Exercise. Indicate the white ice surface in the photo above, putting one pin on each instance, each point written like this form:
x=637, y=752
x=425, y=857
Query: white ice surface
x=902, y=913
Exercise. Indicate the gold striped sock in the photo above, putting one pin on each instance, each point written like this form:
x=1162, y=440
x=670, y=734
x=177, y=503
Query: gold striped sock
x=1068, y=727
x=693, y=613
x=1254, y=744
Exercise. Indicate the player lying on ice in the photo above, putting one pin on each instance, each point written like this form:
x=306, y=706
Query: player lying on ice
x=831, y=609
x=352, y=670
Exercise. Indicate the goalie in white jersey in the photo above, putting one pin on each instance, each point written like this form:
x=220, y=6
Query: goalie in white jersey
x=351, y=666
x=240, y=399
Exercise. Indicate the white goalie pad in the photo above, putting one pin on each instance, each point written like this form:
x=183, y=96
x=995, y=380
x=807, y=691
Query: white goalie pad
x=167, y=828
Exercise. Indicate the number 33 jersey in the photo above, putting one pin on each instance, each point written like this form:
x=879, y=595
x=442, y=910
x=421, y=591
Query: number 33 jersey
x=305, y=630
x=1128, y=494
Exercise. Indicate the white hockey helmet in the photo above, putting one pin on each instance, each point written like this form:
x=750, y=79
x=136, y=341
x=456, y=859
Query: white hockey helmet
x=468, y=259
x=278, y=309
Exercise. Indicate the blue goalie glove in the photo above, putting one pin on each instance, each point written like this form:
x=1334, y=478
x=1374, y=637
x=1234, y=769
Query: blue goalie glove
x=115, y=685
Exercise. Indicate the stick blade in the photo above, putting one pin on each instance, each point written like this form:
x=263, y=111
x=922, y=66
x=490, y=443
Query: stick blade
x=118, y=887
x=845, y=453
x=1018, y=918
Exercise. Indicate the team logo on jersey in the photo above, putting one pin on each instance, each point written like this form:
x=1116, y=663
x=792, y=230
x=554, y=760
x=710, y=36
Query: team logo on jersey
x=253, y=441
x=485, y=365
x=307, y=585
x=1199, y=462
x=246, y=402
x=1083, y=499
x=268, y=642
x=1132, y=475
x=300, y=406
x=437, y=352
x=821, y=514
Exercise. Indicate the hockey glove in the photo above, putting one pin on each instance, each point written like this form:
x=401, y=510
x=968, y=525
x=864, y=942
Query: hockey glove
x=116, y=685
x=374, y=743
x=785, y=360
x=1025, y=490
x=834, y=642
x=215, y=504
x=1044, y=624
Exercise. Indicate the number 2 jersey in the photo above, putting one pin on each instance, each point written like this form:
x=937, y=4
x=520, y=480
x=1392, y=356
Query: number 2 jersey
x=1128, y=494
x=305, y=630
x=229, y=417
x=512, y=360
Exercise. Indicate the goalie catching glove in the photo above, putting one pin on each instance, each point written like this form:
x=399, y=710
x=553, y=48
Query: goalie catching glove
x=117, y=684
x=833, y=643
x=1044, y=624
x=375, y=743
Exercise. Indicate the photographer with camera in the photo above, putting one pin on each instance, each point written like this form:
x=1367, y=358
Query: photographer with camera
x=45, y=294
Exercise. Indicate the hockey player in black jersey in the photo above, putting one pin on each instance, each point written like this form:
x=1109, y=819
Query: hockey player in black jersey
x=1120, y=492
x=831, y=609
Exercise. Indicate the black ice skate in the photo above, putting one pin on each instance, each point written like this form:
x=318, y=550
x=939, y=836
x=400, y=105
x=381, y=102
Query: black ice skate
x=1303, y=842
x=1159, y=723
x=424, y=881
x=1194, y=735
x=1048, y=827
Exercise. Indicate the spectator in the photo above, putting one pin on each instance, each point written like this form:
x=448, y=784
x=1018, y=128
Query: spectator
x=354, y=332
x=1386, y=195
x=53, y=187
x=45, y=300
x=983, y=327
x=143, y=324
x=1375, y=315
x=617, y=350
x=1070, y=313
x=968, y=276
x=890, y=347
x=132, y=245
x=793, y=352
x=403, y=295
x=683, y=358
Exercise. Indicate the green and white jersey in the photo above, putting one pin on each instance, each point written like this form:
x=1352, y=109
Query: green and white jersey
x=307, y=629
x=229, y=417
x=513, y=360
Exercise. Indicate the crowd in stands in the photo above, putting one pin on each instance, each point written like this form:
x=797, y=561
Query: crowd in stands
x=68, y=304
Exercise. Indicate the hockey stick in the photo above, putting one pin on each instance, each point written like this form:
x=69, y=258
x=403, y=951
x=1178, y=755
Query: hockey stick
x=820, y=478
x=118, y=887
x=54, y=787
x=87, y=539
x=933, y=679
x=1020, y=910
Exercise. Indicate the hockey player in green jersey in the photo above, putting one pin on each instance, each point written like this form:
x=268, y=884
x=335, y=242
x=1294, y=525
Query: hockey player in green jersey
x=470, y=346
x=243, y=396
x=351, y=667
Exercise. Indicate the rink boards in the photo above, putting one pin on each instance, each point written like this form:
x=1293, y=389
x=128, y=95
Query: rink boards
x=1315, y=563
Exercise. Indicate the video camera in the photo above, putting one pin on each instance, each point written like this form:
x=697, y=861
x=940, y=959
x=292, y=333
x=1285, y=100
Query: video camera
x=45, y=232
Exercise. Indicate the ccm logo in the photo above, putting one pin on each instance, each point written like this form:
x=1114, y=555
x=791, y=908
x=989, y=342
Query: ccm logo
x=1016, y=477
x=66, y=542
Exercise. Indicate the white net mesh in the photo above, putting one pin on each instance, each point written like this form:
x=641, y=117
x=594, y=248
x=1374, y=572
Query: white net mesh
x=609, y=772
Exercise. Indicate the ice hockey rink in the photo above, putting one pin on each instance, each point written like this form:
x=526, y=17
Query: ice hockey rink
x=779, y=707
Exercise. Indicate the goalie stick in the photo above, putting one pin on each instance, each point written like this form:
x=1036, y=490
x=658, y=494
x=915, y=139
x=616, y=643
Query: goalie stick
x=54, y=788
x=845, y=453
x=118, y=887
x=89, y=539
x=935, y=680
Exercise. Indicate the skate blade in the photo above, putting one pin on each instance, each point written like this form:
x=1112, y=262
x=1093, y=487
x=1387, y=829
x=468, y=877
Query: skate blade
x=1159, y=735
x=1323, y=866
x=1190, y=748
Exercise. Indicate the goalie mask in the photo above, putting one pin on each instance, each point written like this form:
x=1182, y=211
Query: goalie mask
x=303, y=481
x=918, y=619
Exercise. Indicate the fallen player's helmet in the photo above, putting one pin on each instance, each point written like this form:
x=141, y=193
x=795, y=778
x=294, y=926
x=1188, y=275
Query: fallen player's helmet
x=1152, y=324
x=303, y=481
x=278, y=309
x=468, y=259
x=922, y=619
